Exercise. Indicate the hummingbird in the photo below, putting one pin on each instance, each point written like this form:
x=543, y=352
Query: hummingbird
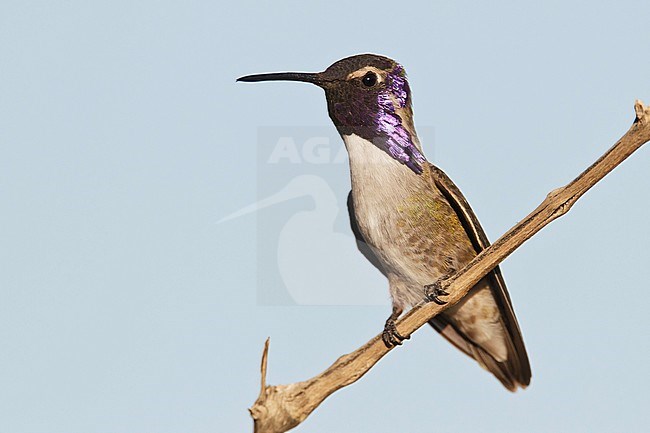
x=409, y=219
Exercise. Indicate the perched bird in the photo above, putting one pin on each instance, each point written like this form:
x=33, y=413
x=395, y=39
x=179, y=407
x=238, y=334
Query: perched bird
x=409, y=218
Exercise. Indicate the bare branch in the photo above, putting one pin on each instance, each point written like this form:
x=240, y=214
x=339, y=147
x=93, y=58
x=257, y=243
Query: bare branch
x=265, y=358
x=282, y=407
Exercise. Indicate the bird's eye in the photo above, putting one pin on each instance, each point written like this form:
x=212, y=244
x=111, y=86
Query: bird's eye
x=370, y=79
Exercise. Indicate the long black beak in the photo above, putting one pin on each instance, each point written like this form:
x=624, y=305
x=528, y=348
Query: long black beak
x=284, y=76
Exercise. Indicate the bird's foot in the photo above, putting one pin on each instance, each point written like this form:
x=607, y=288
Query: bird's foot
x=390, y=335
x=432, y=292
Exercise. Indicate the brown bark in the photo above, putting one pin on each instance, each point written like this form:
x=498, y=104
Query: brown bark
x=279, y=408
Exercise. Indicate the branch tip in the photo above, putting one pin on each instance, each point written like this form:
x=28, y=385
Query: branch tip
x=265, y=358
x=642, y=112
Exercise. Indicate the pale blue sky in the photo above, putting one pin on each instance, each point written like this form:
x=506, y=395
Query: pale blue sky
x=124, y=305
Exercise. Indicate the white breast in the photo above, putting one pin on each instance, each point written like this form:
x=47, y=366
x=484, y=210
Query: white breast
x=377, y=184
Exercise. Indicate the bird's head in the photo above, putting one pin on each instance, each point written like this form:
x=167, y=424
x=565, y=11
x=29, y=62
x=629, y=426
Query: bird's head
x=367, y=95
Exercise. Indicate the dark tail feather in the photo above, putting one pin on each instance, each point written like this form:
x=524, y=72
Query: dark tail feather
x=512, y=373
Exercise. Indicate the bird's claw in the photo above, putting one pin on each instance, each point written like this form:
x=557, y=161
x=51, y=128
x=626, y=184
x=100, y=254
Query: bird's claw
x=391, y=336
x=434, y=291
